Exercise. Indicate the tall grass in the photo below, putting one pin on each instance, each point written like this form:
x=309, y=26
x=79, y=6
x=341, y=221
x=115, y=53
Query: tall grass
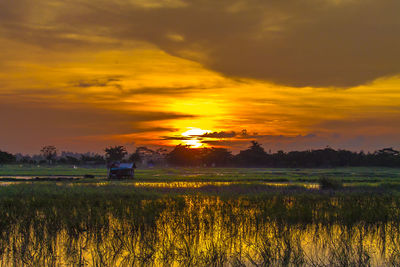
x=66, y=224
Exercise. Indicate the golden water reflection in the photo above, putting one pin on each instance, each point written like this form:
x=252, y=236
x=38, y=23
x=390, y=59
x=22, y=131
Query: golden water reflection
x=202, y=184
x=197, y=231
x=185, y=184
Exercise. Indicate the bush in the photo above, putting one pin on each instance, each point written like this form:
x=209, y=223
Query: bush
x=6, y=157
x=326, y=183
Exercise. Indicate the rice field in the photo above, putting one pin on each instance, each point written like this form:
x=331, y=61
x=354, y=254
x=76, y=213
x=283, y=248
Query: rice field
x=203, y=217
x=347, y=175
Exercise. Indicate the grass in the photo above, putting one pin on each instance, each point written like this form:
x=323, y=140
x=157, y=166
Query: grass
x=347, y=175
x=202, y=217
x=43, y=170
x=80, y=224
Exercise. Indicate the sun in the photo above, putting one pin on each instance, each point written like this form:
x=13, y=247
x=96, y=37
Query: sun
x=193, y=135
x=193, y=143
x=193, y=132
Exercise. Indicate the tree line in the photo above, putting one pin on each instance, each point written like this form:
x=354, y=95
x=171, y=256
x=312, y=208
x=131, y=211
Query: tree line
x=185, y=156
x=256, y=156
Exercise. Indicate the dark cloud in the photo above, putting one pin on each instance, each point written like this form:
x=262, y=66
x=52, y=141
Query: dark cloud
x=98, y=82
x=178, y=138
x=232, y=134
x=241, y=138
x=216, y=135
x=221, y=134
x=293, y=42
x=162, y=90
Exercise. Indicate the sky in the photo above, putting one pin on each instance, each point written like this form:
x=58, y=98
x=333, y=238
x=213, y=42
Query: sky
x=290, y=74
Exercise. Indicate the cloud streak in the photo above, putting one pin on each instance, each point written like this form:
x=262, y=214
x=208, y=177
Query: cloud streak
x=98, y=82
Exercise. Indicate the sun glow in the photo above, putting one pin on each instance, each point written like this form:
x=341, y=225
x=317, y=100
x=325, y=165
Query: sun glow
x=194, y=132
x=193, y=135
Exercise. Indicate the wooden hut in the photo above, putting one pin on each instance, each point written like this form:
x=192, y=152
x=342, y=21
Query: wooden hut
x=118, y=170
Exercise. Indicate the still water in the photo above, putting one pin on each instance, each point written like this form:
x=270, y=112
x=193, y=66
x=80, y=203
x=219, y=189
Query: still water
x=201, y=230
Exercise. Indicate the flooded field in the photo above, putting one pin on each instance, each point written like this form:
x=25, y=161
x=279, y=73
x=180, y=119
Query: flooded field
x=121, y=224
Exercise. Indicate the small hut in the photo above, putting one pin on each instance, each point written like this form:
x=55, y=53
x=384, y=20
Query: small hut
x=117, y=170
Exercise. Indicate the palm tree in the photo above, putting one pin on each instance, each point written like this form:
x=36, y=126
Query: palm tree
x=116, y=153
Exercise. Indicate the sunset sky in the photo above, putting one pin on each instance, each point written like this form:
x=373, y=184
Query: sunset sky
x=291, y=74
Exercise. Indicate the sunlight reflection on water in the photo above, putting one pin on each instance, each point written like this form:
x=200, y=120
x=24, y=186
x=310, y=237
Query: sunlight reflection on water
x=198, y=231
x=182, y=184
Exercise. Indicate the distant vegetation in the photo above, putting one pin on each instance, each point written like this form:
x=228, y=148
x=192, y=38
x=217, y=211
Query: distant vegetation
x=256, y=156
x=115, y=153
x=185, y=156
x=6, y=158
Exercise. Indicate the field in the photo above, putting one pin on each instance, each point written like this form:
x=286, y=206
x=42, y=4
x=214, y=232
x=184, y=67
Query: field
x=200, y=217
x=347, y=175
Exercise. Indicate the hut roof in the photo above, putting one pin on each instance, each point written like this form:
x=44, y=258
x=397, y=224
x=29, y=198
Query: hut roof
x=123, y=166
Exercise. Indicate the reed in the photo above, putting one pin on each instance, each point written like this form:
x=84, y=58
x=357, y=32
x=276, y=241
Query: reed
x=85, y=225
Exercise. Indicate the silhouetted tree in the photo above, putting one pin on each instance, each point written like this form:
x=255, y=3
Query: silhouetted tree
x=116, y=153
x=26, y=160
x=149, y=156
x=92, y=159
x=69, y=160
x=6, y=158
x=135, y=157
x=142, y=154
x=386, y=157
x=254, y=156
x=49, y=153
x=183, y=155
x=216, y=157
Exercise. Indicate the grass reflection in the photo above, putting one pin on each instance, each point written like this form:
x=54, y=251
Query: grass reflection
x=52, y=225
